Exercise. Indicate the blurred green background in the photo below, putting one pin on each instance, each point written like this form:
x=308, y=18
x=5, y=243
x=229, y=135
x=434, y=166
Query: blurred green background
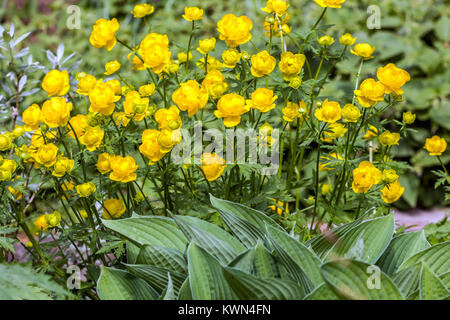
x=414, y=34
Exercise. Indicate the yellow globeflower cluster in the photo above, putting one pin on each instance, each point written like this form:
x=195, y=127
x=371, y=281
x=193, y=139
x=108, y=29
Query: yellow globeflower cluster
x=392, y=192
x=85, y=84
x=156, y=144
x=45, y=221
x=215, y=84
x=393, y=78
x=103, y=98
x=85, y=189
x=388, y=138
x=32, y=117
x=365, y=177
x=272, y=26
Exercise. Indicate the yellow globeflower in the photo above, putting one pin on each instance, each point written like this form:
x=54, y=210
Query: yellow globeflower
x=135, y=106
x=192, y=13
x=17, y=132
x=393, y=78
x=291, y=65
x=390, y=176
x=336, y=130
x=191, y=97
x=104, y=33
x=212, y=166
x=84, y=214
x=41, y=223
x=325, y=40
x=279, y=207
x=329, y=112
x=230, y=107
x=86, y=84
x=150, y=147
x=435, y=145
x=6, y=142
x=182, y=56
x=293, y=110
x=113, y=208
x=56, y=83
x=231, y=57
x=265, y=134
x=351, y=113
x=115, y=85
x=347, y=39
x=85, y=189
x=62, y=166
x=371, y=133
x=409, y=117
x=262, y=64
x=121, y=118
x=92, y=138
x=53, y=219
x=325, y=163
x=141, y=10
x=154, y=49
x=103, y=98
x=370, y=92
x=7, y=168
x=68, y=186
x=234, y=30
x=392, y=192
x=365, y=176
x=262, y=100
x=168, y=118
x=167, y=139
x=104, y=162
x=206, y=45
x=147, y=90
x=123, y=169
x=276, y=6
x=388, y=138
x=56, y=112
x=363, y=50
x=330, y=3
x=112, y=67
x=78, y=125
x=215, y=84
x=32, y=117
x=213, y=63
x=46, y=154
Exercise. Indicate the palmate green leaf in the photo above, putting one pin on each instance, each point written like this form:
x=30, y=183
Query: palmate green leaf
x=167, y=258
x=159, y=231
x=349, y=279
x=322, y=292
x=248, y=287
x=116, y=284
x=365, y=242
x=206, y=279
x=430, y=286
x=400, y=249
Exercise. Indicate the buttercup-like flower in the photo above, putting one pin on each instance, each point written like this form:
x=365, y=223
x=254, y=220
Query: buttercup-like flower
x=112, y=67
x=135, y=106
x=262, y=64
x=103, y=98
x=85, y=189
x=92, y=138
x=363, y=50
x=392, y=192
x=167, y=139
x=230, y=107
x=206, y=45
x=330, y=3
x=115, y=85
x=141, y=10
x=230, y=58
x=32, y=117
x=86, y=84
x=150, y=147
x=435, y=145
x=325, y=163
x=168, y=118
x=329, y=112
x=123, y=169
x=293, y=110
x=393, y=78
x=215, y=84
x=79, y=125
x=262, y=100
x=325, y=40
x=113, y=208
x=192, y=13
x=56, y=112
x=279, y=207
x=351, y=113
x=265, y=134
x=147, y=90
x=7, y=168
x=336, y=130
x=182, y=56
x=121, y=118
x=104, y=162
x=213, y=63
x=291, y=64
x=212, y=166
x=365, y=176
x=370, y=92
x=388, y=138
x=41, y=223
x=154, y=49
x=371, y=133
x=104, y=33
x=6, y=142
x=408, y=117
x=191, y=97
x=56, y=83
x=46, y=154
x=234, y=30
x=347, y=39
x=276, y=6
x=62, y=166
x=390, y=176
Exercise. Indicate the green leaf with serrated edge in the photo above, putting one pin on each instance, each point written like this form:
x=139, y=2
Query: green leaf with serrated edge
x=160, y=231
x=430, y=286
x=365, y=242
x=205, y=276
x=115, y=284
x=303, y=256
x=322, y=292
x=167, y=258
x=351, y=279
x=264, y=263
x=400, y=249
x=436, y=257
x=407, y=280
x=248, y=287
x=185, y=291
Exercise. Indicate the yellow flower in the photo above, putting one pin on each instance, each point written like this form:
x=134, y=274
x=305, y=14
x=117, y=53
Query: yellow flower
x=213, y=63
x=230, y=107
x=113, y=208
x=388, y=138
x=182, y=56
x=17, y=132
x=103, y=98
x=168, y=118
x=56, y=112
x=112, y=67
x=272, y=26
x=392, y=192
x=46, y=154
x=104, y=162
x=56, y=83
x=62, y=166
x=329, y=112
x=191, y=97
x=150, y=147
x=262, y=100
x=293, y=110
x=276, y=6
x=104, y=33
x=167, y=139
x=68, y=186
x=351, y=113
x=363, y=50
x=326, y=165
x=329, y=3
x=325, y=40
x=121, y=118
x=92, y=138
x=215, y=84
x=371, y=133
x=370, y=92
x=409, y=117
x=6, y=142
x=393, y=78
x=206, y=45
x=41, y=223
x=347, y=39
x=141, y=10
x=325, y=188
x=230, y=58
x=32, y=117
x=123, y=169
x=135, y=106
x=192, y=13
x=265, y=133
x=86, y=84
x=53, y=219
x=295, y=82
x=86, y=189
x=365, y=176
x=115, y=85
x=212, y=166
x=291, y=65
x=7, y=168
x=262, y=64
x=147, y=90
x=338, y=130
x=79, y=125
x=154, y=49
x=435, y=145
x=390, y=176
x=234, y=30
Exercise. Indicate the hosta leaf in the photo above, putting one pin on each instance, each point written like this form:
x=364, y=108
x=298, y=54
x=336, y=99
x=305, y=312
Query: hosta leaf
x=167, y=258
x=351, y=279
x=436, y=257
x=365, y=242
x=400, y=249
x=205, y=276
x=244, y=261
x=158, y=231
x=248, y=287
x=322, y=292
x=115, y=284
x=132, y=252
x=169, y=292
x=407, y=280
x=185, y=291
x=446, y=279
x=264, y=264
x=431, y=287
